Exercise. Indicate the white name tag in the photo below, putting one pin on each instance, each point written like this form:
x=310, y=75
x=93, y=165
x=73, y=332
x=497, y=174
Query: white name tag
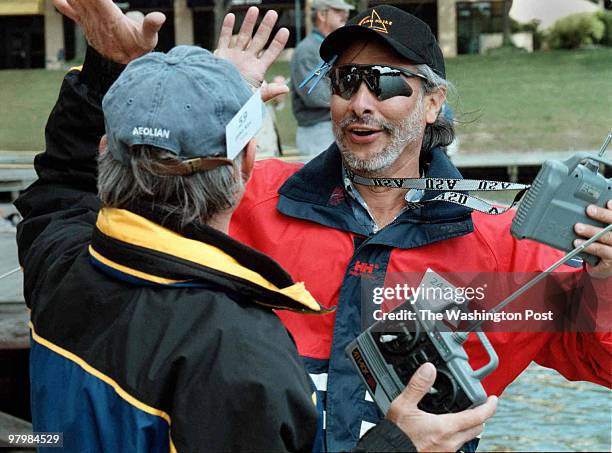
x=244, y=125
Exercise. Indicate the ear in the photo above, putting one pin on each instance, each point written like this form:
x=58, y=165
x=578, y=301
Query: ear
x=433, y=104
x=248, y=159
x=103, y=144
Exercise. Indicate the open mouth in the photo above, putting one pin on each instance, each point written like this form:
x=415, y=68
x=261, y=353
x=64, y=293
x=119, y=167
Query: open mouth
x=363, y=130
x=363, y=133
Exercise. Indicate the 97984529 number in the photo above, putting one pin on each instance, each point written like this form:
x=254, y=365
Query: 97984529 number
x=36, y=440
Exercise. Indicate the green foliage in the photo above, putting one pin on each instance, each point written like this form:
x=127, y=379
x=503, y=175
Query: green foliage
x=517, y=27
x=514, y=101
x=575, y=31
x=606, y=18
x=533, y=27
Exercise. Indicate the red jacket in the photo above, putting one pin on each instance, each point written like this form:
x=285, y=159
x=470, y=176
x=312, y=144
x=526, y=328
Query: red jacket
x=300, y=217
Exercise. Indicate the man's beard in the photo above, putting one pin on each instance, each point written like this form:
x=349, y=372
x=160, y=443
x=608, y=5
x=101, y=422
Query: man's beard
x=402, y=134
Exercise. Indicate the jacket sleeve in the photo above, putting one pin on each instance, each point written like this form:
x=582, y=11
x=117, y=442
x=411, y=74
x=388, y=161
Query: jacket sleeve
x=303, y=63
x=60, y=207
x=580, y=345
x=385, y=437
x=582, y=349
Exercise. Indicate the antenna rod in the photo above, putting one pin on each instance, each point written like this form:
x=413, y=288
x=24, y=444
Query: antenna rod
x=462, y=336
x=605, y=145
x=14, y=271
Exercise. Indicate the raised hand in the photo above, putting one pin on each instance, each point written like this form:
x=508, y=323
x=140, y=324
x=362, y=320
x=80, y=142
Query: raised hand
x=429, y=432
x=109, y=31
x=248, y=53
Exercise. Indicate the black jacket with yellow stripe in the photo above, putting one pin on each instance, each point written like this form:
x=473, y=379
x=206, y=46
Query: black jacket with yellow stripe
x=147, y=336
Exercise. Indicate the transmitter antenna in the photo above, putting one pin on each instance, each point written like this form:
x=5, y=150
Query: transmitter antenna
x=460, y=337
x=605, y=145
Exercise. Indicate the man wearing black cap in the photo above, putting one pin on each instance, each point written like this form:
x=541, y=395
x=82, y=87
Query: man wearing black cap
x=387, y=76
x=388, y=82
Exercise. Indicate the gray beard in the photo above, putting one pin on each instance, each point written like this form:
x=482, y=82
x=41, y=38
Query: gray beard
x=402, y=134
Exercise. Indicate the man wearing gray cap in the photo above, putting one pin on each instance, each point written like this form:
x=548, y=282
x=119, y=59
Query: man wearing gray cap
x=152, y=330
x=314, y=131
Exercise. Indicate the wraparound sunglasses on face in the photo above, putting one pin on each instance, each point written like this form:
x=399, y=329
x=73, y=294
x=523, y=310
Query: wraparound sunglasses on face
x=384, y=81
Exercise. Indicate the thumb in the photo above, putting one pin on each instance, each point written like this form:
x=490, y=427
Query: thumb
x=271, y=90
x=419, y=384
x=151, y=25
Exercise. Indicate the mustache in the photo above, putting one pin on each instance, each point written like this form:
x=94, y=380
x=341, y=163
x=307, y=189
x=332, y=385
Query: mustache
x=366, y=120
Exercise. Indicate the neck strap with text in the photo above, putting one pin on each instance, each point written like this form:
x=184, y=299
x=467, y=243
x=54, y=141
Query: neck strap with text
x=452, y=190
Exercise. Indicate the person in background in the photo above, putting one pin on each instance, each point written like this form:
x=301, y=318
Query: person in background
x=314, y=127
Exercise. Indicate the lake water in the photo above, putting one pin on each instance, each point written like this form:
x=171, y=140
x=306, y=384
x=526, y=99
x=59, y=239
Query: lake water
x=542, y=411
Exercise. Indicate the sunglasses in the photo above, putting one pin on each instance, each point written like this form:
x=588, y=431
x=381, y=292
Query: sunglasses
x=384, y=81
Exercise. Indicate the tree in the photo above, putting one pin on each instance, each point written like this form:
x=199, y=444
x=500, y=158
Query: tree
x=507, y=39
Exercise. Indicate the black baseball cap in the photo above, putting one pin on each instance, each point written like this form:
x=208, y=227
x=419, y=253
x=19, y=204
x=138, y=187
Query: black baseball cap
x=408, y=35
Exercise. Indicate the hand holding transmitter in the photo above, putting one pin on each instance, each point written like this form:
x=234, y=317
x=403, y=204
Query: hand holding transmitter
x=390, y=351
x=558, y=199
x=387, y=354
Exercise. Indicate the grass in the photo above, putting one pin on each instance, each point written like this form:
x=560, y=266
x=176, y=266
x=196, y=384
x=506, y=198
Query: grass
x=558, y=100
x=26, y=99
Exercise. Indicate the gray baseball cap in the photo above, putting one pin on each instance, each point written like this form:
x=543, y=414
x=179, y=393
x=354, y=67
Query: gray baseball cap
x=180, y=101
x=335, y=4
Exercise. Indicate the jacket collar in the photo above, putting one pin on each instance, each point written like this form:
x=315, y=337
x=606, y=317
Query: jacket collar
x=146, y=246
x=316, y=193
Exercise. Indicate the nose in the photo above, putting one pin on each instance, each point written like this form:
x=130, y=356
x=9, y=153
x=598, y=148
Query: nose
x=363, y=101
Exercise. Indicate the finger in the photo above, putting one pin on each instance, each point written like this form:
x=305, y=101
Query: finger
x=100, y=8
x=225, y=35
x=589, y=231
x=603, y=251
x=150, y=27
x=462, y=437
x=246, y=29
x=76, y=6
x=67, y=10
x=276, y=47
x=94, y=10
x=471, y=418
x=602, y=214
x=271, y=90
x=419, y=385
x=263, y=32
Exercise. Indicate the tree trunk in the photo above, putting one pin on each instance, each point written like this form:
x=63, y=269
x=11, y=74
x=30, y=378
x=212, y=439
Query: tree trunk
x=307, y=17
x=507, y=39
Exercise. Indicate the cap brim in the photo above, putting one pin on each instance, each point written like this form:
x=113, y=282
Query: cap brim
x=336, y=42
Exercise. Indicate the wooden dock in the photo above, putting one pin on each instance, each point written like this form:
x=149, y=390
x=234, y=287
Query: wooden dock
x=17, y=171
x=14, y=315
x=14, y=336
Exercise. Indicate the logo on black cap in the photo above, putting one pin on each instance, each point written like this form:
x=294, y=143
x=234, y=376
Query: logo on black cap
x=374, y=22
